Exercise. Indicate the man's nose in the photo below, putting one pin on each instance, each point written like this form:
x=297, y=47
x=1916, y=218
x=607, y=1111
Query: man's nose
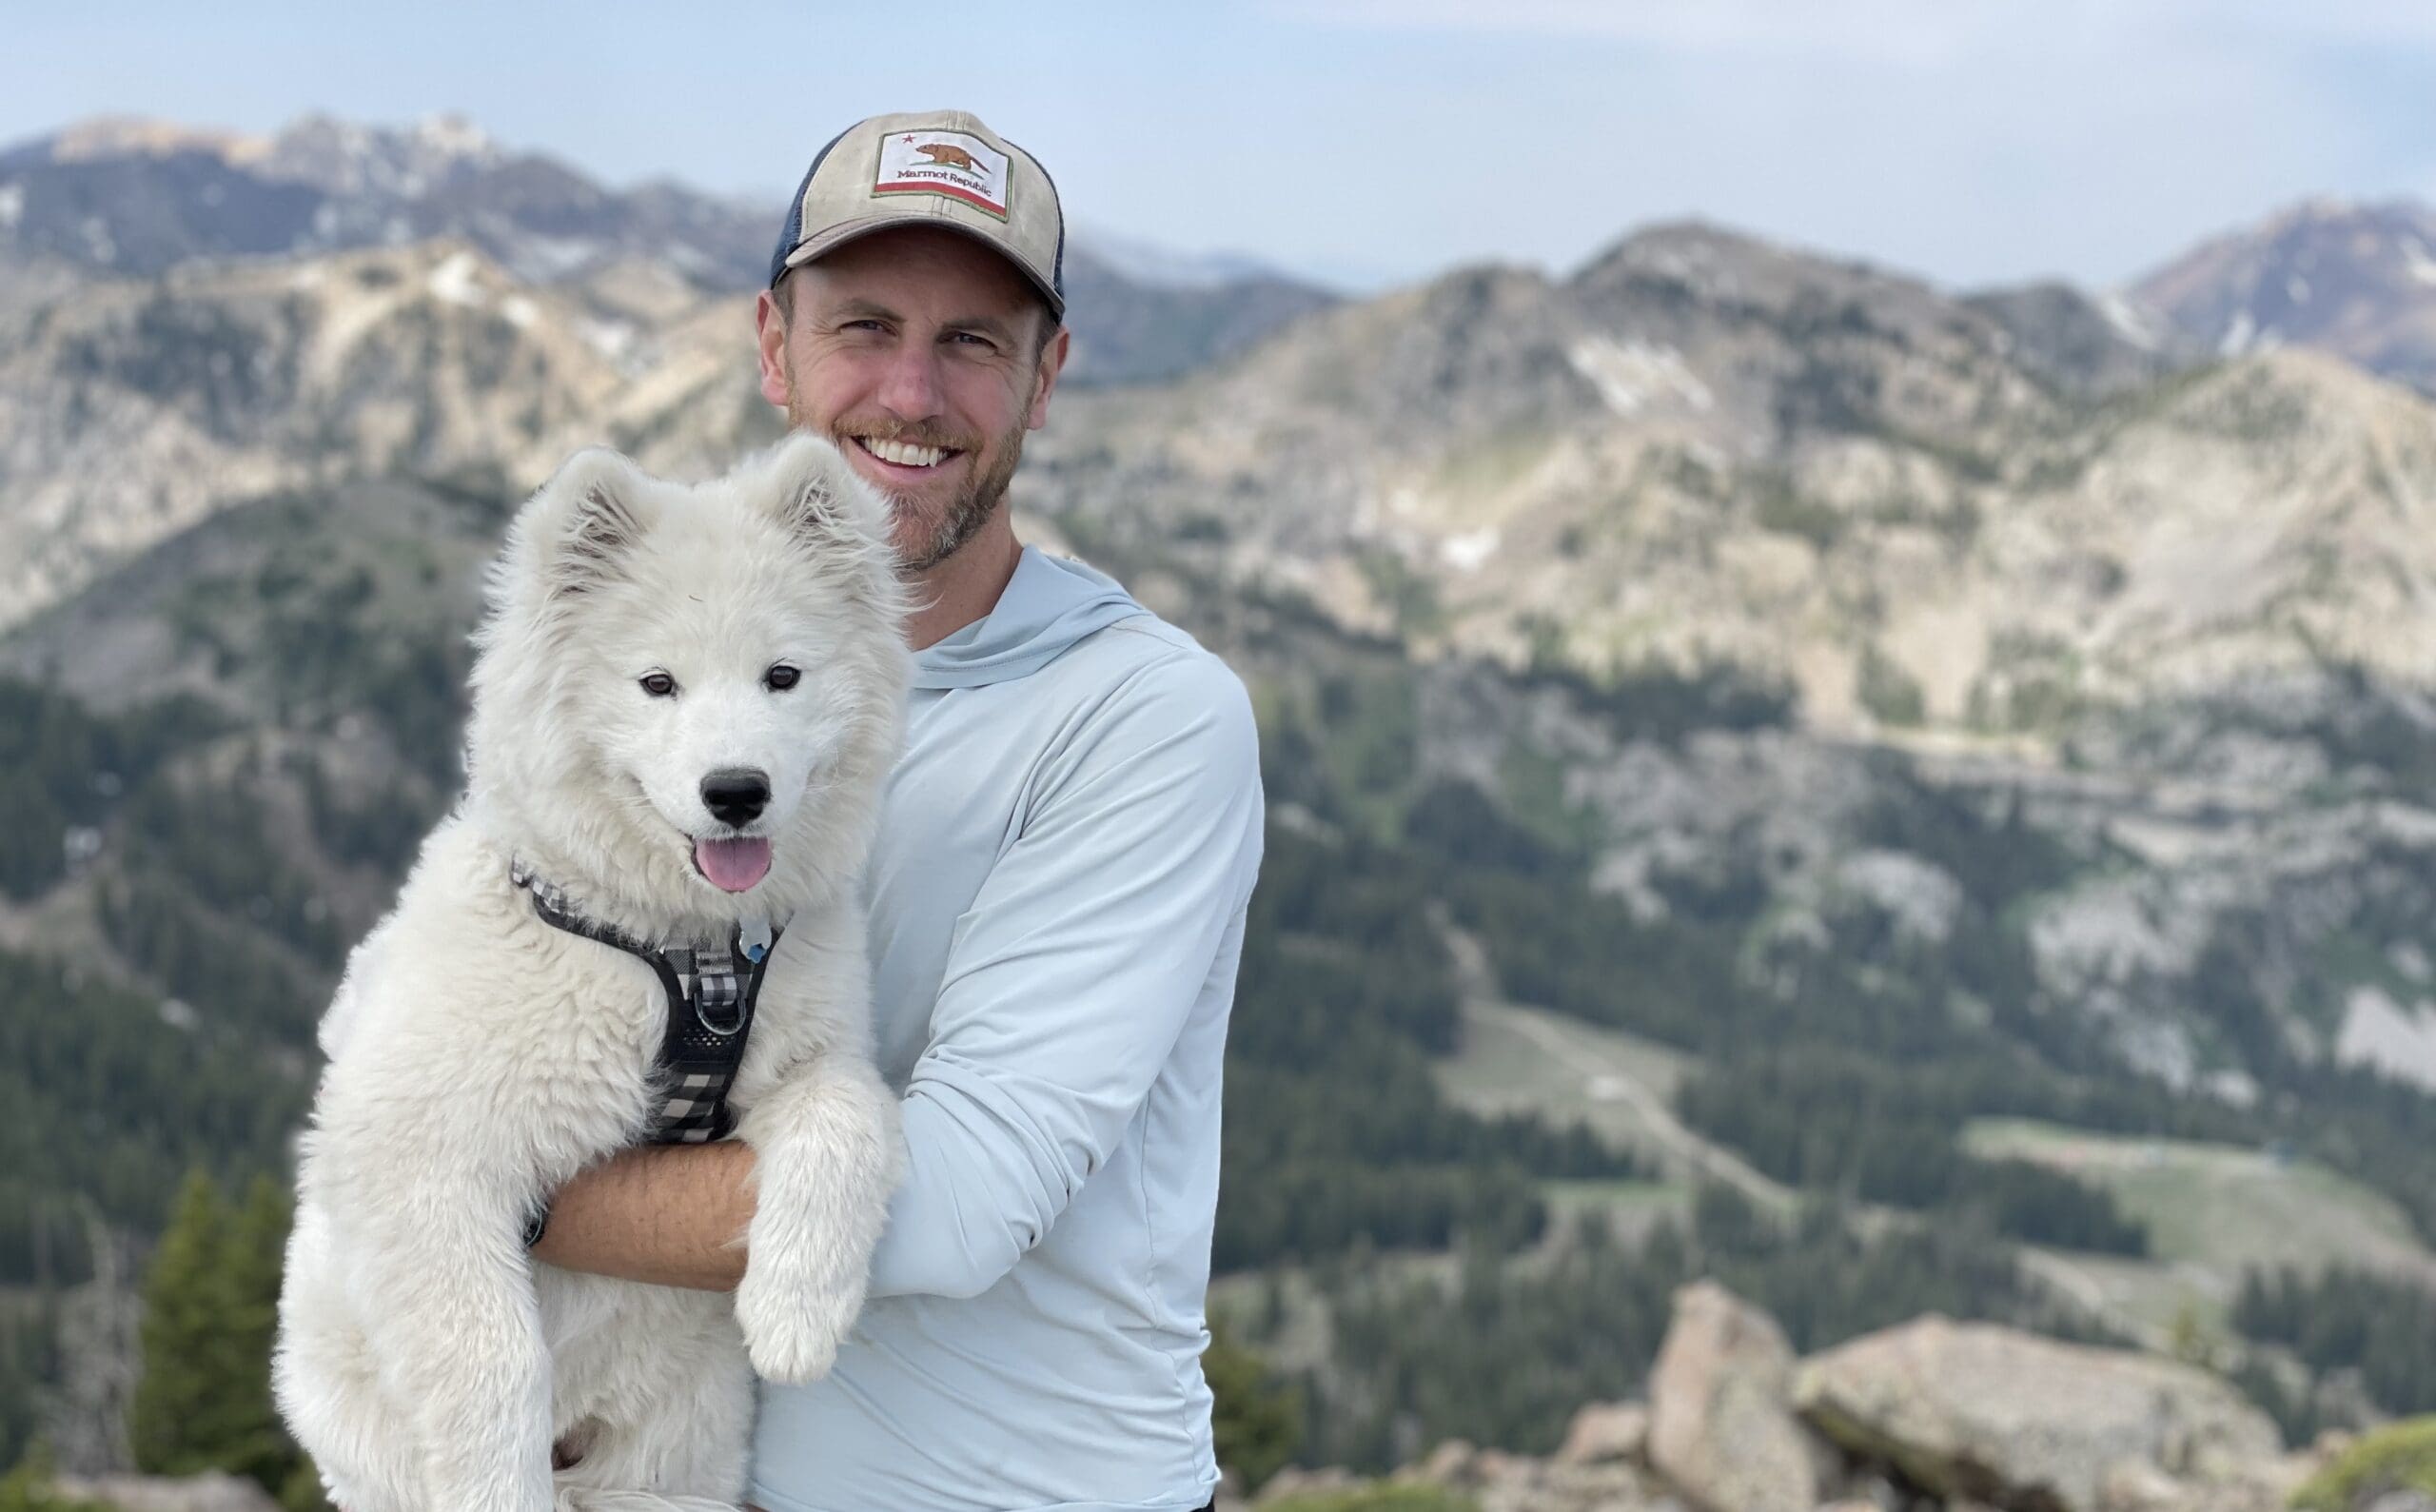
x=911, y=388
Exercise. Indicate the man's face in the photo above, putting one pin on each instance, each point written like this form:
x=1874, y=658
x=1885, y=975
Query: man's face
x=919, y=353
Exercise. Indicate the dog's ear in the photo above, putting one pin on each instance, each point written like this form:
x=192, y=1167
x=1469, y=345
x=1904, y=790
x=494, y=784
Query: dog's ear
x=819, y=498
x=583, y=522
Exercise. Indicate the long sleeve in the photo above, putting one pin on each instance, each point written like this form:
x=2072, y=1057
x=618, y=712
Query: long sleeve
x=1070, y=976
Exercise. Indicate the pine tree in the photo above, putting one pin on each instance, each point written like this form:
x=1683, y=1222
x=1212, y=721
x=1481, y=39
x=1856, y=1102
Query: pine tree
x=186, y=1368
x=210, y=1310
x=253, y=1442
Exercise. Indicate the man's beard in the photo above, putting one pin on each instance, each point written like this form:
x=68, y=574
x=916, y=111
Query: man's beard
x=964, y=515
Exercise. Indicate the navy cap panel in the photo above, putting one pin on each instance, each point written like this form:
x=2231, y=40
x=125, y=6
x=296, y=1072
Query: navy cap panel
x=1057, y=263
x=792, y=232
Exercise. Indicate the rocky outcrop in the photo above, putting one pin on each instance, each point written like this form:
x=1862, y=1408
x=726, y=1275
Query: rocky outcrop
x=1721, y=1427
x=1932, y=1415
x=1990, y=1413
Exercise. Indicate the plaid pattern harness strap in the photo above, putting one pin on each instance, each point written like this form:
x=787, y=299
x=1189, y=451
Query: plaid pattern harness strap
x=711, y=990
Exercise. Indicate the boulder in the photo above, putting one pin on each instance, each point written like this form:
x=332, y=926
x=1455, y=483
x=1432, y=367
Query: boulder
x=1604, y=1433
x=1976, y=1410
x=1721, y=1427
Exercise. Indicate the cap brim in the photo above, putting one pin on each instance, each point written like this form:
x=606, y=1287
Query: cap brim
x=838, y=236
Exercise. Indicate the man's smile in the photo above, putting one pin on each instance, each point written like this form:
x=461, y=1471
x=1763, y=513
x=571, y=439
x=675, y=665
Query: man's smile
x=905, y=462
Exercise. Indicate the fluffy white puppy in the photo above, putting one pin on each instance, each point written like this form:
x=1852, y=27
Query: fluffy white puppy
x=685, y=703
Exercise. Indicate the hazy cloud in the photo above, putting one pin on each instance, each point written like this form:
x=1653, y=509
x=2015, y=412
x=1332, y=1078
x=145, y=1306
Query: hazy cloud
x=1920, y=33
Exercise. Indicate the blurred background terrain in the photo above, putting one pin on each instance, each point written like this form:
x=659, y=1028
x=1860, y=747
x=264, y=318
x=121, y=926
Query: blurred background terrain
x=1897, y=796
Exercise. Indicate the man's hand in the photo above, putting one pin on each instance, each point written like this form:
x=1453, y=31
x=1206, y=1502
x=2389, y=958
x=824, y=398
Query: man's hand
x=671, y=1215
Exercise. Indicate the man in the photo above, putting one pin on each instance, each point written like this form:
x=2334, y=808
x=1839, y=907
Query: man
x=1057, y=903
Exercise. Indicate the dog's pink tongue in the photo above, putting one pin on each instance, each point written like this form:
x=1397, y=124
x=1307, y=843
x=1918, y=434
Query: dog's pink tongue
x=733, y=865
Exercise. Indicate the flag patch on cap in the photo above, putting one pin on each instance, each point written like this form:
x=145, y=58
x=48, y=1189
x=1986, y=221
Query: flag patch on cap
x=949, y=163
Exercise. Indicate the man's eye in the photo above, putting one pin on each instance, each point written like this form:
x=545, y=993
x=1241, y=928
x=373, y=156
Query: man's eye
x=659, y=684
x=781, y=678
x=973, y=338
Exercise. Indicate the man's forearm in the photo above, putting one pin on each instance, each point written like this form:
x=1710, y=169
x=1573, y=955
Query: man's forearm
x=672, y=1216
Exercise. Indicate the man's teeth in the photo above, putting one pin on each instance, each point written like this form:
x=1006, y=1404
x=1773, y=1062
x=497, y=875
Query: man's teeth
x=904, y=454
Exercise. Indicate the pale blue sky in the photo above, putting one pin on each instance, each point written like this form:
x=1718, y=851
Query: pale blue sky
x=1975, y=141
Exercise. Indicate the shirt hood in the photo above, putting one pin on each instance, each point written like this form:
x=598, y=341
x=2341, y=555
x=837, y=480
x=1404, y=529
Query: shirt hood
x=1049, y=603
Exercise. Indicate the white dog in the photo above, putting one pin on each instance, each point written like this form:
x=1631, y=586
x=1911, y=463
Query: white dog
x=685, y=704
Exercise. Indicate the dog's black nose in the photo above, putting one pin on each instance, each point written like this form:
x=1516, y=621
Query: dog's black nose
x=736, y=795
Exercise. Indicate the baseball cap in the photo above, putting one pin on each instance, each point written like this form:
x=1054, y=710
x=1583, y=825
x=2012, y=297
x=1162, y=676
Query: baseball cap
x=933, y=168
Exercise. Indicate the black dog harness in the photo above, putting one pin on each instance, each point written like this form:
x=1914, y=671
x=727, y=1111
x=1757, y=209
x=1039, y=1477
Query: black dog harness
x=710, y=992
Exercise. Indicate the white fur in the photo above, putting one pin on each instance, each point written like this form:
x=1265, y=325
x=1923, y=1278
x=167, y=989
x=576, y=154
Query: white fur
x=478, y=1057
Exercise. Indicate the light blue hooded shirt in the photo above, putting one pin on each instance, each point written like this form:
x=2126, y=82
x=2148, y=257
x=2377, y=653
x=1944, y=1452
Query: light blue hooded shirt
x=1057, y=894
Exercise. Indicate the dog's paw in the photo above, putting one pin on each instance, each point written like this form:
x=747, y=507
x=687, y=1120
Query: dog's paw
x=792, y=1333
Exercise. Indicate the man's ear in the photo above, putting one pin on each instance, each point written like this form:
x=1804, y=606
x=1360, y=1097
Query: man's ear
x=578, y=528
x=770, y=339
x=1052, y=362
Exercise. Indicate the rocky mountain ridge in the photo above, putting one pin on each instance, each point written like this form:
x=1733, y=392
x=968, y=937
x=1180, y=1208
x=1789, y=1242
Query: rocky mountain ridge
x=119, y=198
x=1979, y=514
x=1705, y=450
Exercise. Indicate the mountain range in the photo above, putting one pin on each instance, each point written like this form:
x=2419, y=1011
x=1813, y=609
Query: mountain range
x=1995, y=529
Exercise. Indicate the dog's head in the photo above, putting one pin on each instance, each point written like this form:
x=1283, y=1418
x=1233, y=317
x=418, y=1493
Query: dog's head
x=688, y=697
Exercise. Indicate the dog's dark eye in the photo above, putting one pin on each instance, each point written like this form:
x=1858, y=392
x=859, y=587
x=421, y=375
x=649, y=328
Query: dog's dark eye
x=782, y=678
x=659, y=684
